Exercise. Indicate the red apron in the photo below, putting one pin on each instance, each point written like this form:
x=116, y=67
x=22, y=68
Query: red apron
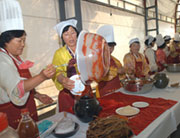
x=106, y=87
x=14, y=112
x=173, y=60
x=161, y=53
x=66, y=100
x=138, y=69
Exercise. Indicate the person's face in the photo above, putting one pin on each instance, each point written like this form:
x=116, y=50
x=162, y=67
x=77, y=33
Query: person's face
x=135, y=47
x=70, y=37
x=16, y=46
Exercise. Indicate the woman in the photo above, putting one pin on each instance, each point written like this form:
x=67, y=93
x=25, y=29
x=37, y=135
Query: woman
x=161, y=58
x=167, y=40
x=150, y=54
x=16, y=83
x=64, y=57
x=134, y=62
x=111, y=81
x=174, y=56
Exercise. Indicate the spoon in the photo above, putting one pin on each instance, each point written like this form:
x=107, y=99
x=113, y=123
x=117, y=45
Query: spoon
x=62, y=65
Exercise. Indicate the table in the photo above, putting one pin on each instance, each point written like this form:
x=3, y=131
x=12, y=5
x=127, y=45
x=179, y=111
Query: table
x=161, y=127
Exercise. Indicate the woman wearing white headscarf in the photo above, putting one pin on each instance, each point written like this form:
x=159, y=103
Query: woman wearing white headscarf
x=135, y=63
x=64, y=58
x=167, y=40
x=161, y=57
x=150, y=54
x=111, y=81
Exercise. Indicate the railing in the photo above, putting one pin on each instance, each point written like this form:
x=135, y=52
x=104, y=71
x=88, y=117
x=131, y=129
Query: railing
x=132, y=8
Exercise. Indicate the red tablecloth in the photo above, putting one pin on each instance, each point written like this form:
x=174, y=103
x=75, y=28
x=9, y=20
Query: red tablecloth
x=140, y=121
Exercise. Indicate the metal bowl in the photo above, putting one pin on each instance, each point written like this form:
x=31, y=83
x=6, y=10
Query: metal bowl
x=173, y=67
x=138, y=85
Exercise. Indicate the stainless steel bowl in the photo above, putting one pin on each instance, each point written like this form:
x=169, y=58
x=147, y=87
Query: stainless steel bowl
x=173, y=67
x=138, y=85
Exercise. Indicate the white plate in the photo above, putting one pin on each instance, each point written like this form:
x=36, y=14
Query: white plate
x=79, y=86
x=140, y=104
x=127, y=111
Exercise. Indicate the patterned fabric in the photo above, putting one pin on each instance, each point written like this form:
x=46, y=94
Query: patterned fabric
x=71, y=70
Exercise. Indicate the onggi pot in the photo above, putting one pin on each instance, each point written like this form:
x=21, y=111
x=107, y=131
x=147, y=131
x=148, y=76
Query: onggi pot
x=161, y=80
x=86, y=108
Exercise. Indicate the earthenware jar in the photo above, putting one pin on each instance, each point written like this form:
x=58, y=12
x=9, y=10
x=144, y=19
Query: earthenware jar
x=86, y=108
x=161, y=80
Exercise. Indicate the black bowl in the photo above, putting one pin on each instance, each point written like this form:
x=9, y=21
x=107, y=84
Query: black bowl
x=68, y=134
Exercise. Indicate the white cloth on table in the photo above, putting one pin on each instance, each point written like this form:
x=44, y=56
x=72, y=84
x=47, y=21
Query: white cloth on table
x=9, y=78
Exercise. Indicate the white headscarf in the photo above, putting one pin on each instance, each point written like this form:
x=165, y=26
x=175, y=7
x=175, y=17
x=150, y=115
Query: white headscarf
x=134, y=40
x=60, y=26
x=159, y=40
x=149, y=39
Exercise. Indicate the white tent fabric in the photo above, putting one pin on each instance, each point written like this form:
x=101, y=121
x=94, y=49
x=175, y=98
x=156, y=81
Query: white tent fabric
x=126, y=25
x=40, y=16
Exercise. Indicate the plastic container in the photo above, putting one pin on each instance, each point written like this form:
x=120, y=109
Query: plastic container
x=27, y=128
x=5, y=130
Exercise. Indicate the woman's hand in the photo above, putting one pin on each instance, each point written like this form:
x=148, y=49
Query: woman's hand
x=49, y=71
x=66, y=82
x=43, y=98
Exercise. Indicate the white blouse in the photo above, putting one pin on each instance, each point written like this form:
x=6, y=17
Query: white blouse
x=9, y=79
x=150, y=54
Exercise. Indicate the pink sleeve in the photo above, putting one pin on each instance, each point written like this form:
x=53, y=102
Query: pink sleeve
x=20, y=87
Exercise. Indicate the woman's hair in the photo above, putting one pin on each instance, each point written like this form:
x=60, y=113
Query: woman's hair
x=66, y=29
x=162, y=46
x=7, y=36
x=146, y=42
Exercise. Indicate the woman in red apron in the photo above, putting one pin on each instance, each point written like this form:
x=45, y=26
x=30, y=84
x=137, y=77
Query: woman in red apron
x=64, y=58
x=135, y=63
x=17, y=84
x=160, y=54
x=174, y=56
x=150, y=54
x=111, y=82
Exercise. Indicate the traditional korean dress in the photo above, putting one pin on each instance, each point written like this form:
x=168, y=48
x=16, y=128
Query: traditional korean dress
x=111, y=81
x=12, y=96
x=137, y=63
x=65, y=59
